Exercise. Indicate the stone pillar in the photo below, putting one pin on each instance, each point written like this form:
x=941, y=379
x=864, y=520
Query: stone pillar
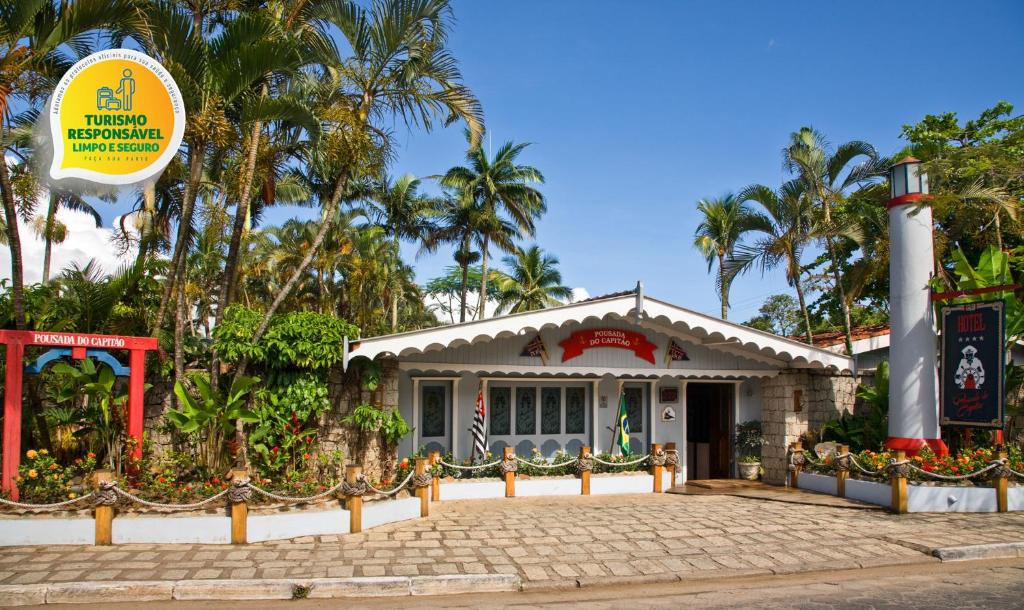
x=784, y=417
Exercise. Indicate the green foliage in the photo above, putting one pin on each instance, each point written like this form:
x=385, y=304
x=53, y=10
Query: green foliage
x=300, y=339
x=287, y=422
x=212, y=415
x=869, y=430
x=91, y=391
x=749, y=440
x=779, y=314
x=42, y=479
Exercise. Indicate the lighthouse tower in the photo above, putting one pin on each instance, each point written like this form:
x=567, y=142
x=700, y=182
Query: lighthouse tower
x=913, y=344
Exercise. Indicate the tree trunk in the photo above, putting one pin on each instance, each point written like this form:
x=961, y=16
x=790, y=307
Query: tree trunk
x=803, y=309
x=464, y=263
x=841, y=293
x=227, y=289
x=723, y=287
x=195, y=174
x=394, y=289
x=179, y=332
x=14, y=243
x=51, y=213
x=840, y=289
x=325, y=224
x=482, y=306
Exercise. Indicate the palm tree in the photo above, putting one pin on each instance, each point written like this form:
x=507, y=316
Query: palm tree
x=533, y=282
x=400, y=67
x=52, y=230
x=39, y=41
x=456, y=224
x=214, y=77
x=724, y=222
x=401, y=212
x=786, y=228
x=827, y=176
x=499, y=186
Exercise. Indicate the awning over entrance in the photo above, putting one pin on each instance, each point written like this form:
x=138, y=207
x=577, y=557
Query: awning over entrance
x=700, y=329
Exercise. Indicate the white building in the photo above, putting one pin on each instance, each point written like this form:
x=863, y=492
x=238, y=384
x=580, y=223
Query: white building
x=566, y=396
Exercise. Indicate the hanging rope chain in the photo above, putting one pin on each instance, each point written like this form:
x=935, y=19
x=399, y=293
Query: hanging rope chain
x=365, y=482
x=584, y=464
x=508, y=464
x=621, y=464
x=543, y=466
x=52, y=506
x=477, y=467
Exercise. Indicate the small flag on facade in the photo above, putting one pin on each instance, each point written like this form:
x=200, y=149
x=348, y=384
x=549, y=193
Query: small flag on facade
x=674, y=352
x=535, y=348
x=479, y=435
x=623, y=440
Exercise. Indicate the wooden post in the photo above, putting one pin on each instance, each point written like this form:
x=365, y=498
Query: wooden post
x=510, y=475
x=435, y=482
x=670, y=449
x=421, y=492
x=585, y=474
x=239, y=511
x=1001, y=482
x=104, y=514
x=354, y=504
x=842, y=473
x=798, y=449
x=899, y=486
x=656, y=468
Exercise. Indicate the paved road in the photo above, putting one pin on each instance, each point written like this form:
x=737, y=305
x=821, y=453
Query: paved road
x=933, y=586
x=548, y=540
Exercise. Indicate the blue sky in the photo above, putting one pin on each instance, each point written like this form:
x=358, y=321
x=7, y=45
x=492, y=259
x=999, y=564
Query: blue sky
x=638, y=109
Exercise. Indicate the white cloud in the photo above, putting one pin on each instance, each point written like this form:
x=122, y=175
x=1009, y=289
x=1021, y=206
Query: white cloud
x=445, y=316
x=579, y=294
x=84, y=242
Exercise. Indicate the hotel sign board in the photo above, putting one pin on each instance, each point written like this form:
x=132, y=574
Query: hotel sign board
x=973, y=359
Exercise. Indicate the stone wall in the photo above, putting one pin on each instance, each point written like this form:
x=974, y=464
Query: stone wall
x=346, y=392
x=794, y=402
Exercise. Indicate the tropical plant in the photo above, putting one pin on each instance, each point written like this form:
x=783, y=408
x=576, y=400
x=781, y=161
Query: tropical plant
x=91, y=388
x=498, y=186
x=532, y=282
x=783, y=231
x=827, y=176
x=401, y=212
x=211, y=415
x=723, y=223
x=869, y=429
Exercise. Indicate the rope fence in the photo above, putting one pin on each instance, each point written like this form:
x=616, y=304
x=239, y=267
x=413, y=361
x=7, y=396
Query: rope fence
x=109, y=495
x=899, y=470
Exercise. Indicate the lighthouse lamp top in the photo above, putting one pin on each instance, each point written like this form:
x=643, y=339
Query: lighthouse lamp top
x=906, y=179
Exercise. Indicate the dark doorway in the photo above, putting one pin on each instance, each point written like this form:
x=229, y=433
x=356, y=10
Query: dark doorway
x=709, y=430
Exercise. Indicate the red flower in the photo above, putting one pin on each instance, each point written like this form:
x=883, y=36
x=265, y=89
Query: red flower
x=309, y=439
x=275, y=450
x=306, y=456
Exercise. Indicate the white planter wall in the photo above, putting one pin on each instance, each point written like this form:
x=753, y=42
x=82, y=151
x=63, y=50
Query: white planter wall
x=817, y=482
x=167, y=529
x=1015, y=498
x=295, y=524
x=922, y=499
x=869, y=491
x=390, y=511
x=46, y=531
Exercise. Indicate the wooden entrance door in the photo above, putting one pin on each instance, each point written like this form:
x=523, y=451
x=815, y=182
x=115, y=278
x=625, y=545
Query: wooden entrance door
x=709, y=408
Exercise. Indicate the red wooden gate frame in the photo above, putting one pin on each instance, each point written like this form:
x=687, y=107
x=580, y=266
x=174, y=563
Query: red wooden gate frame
x=17, y=340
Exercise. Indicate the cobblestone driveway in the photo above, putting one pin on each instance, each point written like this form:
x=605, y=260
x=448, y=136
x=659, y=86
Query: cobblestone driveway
x=546, y=540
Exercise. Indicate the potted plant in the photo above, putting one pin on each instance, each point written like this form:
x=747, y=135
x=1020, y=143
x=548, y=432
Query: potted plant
x=749, y=441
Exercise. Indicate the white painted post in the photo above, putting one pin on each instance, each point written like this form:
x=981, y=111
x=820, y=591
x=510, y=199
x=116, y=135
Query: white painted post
x=455, y=414
x=913, y=344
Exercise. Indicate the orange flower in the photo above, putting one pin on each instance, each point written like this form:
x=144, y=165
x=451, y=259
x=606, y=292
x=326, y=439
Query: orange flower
x=32, y=473
x=31, y=454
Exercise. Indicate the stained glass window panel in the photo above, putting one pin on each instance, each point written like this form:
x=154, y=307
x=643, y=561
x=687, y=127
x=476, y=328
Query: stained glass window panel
x=575, y=410
x=526, y=410
x=551, y=411
x=433, y=410
x=501, y=411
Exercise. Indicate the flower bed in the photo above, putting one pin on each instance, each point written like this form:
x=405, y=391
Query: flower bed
x=928, y=467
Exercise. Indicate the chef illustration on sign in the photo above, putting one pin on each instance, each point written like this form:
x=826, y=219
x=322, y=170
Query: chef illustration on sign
x=970, y=374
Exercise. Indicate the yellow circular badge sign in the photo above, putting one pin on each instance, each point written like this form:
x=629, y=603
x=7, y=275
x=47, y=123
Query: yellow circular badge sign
x=115, y=118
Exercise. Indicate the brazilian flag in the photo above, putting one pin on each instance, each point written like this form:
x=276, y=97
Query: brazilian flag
x=623, y=440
